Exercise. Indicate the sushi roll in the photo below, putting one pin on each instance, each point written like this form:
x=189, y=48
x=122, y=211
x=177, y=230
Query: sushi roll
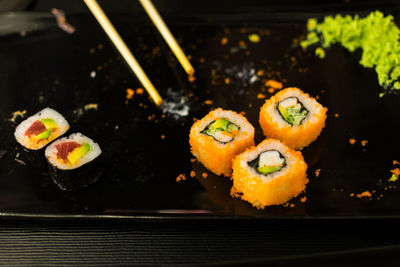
x=71, y=161
x=218, y=137
x=269, y=174
x=293, y=117
x=40, y=129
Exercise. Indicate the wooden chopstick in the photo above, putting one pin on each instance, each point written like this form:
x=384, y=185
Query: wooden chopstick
x=167, y=35
x=123, y=49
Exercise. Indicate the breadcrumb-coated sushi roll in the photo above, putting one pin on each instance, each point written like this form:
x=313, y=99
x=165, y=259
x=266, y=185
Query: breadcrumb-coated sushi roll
x=40, y=129
x=293, y=117
x=268, y=174
x=218, y=137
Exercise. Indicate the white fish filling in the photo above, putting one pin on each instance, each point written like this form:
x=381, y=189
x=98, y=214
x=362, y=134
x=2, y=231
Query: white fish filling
x=288, y=102
x=270, y=158
x=223, y=136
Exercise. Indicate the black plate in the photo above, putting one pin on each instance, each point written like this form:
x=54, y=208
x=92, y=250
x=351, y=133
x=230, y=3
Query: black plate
x=145, y=148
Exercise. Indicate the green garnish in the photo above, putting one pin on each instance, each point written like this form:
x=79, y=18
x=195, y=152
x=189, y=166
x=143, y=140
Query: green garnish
x=78, y=153
x=43, y=135
x=268, y=169
x=394, y=178
x=49, y=123
x=376, y=35
x=293, y=115
x=219, y=125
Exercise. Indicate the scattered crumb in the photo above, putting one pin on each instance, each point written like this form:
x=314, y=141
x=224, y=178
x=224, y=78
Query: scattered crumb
x=285, y=204
x=303, y=199
x=224, y=41
x=352, y=194
x=17, y=114
x=336, y=115
x=364, y=194
x=364, y=142
x=395, y=162
x=192, y=160
x=271, y=90
x=260, y=72
x=162, y=137
x=139, y=91
x=254, y=38
x=181, y=177
x=291, y=205
x=227, y=81
x=202, y=60
x=317, y=172
x=204, y=175
x=62, y=21
x=192, y=174
x=273, y=84
x=261, y=96
x=242, y=44
x=92, y=106
x=352, y=141
x=191, y=78
x=208, y=102
x=129, y=93
x=396, y=172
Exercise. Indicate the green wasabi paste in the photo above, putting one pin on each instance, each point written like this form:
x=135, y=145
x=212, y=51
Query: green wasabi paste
x=376, y=35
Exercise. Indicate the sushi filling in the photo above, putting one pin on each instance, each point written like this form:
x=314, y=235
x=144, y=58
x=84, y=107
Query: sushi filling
x=267, y=162
x=41, y=129
x=71, y=151
x=292, y=111
x=221, y=130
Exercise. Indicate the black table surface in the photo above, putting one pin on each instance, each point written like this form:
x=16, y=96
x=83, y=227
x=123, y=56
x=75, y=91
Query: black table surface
x=322, y=242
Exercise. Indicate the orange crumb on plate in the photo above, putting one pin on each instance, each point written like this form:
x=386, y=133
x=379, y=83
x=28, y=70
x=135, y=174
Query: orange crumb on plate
x=364, y=194
x=192, y=174
x=395, y=162
x=271, y=90
x=336, y=115
x=191, y=78
x=224, y=41
x=162, y=136
x=317, y=172
x=227, y=81
x=192, y=160
x=274, y=84
x=260, y=72
x=396, y=172
x=129, y=93
x=139, y=91
x=181, y=177
x=261, y=96
x=204, y=175
x=208, y=102
x=303, y=199
x=352, y=194
x=291, y=205
x=364, y=142
x=352, y=141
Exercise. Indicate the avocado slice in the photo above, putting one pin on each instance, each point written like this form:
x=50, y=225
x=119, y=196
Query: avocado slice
x=284, y=112
x=43, y=135
x=219, y=124
x=49, y=123
x=268, y=169
x=293, y=115
x=78, y=153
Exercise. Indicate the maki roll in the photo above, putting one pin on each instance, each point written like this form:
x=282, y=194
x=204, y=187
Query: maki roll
x=293, y=117
x=218, y=137
x=269, y=174
x=40, y=129
x=71, y=163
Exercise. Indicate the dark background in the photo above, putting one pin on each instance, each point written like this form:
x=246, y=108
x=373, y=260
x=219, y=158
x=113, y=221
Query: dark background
x=322, y=242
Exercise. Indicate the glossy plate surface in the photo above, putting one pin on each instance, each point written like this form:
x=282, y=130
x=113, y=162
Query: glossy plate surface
x=145, y=148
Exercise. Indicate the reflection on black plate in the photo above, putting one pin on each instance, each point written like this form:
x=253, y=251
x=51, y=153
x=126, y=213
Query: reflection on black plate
x=144, y=149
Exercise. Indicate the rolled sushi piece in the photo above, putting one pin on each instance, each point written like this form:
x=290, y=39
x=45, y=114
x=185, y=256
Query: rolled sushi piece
x=293, y=117
x=269, y=174
x=40, y=129
x=218, y=137
x=71, y=161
